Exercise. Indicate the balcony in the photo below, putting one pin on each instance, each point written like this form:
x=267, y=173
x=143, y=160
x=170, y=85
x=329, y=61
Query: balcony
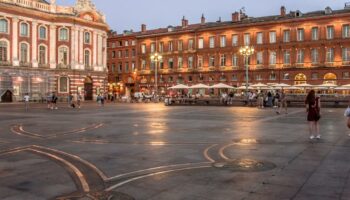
x=329, y=64
x=25, y=64
x=5, y=63
x=287, y=65
x=212, y=68
x=259, y=66
x=63, y=66
x=299, y=65
x=272, y=66
x=346, y=63
x=43, y=66
x=89, y=68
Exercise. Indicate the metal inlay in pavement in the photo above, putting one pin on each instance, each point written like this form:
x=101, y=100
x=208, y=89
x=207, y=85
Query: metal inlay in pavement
x=245, y=165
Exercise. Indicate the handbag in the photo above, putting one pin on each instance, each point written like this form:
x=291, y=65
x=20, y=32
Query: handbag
x=347, y=112
x=348, y=122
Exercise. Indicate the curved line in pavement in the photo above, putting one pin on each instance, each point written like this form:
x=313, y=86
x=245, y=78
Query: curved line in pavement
x=153, y=174
x=222, y=149
x=206, y=153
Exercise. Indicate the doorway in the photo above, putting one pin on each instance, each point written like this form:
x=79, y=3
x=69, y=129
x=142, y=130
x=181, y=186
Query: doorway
x=88, y=89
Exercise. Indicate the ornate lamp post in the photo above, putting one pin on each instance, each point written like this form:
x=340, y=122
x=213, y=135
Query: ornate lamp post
x=246, y=51
x=156, y=58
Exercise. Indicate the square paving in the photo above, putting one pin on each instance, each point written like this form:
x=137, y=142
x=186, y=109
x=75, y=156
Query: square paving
x=150, y=151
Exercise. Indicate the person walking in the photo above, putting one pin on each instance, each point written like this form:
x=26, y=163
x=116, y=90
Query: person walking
x=282, y=103
x=261, y=97
x=313, y=109
x=26, y=101
x=79, y=98
x=70, y=100
x=54, y=101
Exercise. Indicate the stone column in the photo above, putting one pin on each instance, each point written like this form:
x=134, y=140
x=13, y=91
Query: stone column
x=81, y=48
x=76, y=48
x=73, y=49
x=99, y=50
x=53, y=38
x=104, y=58
x=34, y=44
x=15, y=61
x=94, y=49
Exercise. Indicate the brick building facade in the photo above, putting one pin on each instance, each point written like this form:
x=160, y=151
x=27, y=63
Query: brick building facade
x=46, y=48
x=290, y=48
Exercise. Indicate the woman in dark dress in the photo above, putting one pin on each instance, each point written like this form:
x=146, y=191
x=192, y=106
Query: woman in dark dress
x=313, y=106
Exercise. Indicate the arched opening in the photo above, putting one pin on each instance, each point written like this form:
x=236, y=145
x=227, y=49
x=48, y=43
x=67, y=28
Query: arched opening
x=330, y=78
x=88, y=89
x=300, y=79
x=6, y=96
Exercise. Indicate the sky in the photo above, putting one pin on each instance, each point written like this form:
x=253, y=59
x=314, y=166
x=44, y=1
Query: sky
x=130, y=14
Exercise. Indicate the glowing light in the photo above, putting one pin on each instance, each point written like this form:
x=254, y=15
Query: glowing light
x=157, y=143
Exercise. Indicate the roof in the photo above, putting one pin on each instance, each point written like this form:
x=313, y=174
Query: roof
x=245, y=21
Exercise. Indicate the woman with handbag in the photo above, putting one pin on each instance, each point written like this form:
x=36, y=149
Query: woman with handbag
x=313, y=108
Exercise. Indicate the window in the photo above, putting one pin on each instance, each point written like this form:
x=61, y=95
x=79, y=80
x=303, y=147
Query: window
x=314, y=76
x=133, y=53
x=133, y=42
x=120, y=43
x=42, y=55
x=200, y=43
x=234, y=40
x=190, y=62
x=212, y=42
x=113, y=68
x=200, y=61
x=171, y=63
x=24, y=29
x=234, y=60
x=259, y=38
x=63, y=84
x=24, y=53
x=314, y=33
x=346, y=75
x=127, y=53
x=246, y=39
x=133, y=66
x=190, y=44
x=300, y=34
x=330, y=55
x=211, y=61
x=272, y=37
x=272, y=76
x=346, y=31
x=87, y=58
x=153, y=47
x=314, y=55
x=273, y=57
x=234, y=77
x=190, y=79
x=143, y=64
x=258, y=77
x=120, y=54
x=126, y=67
x=346, y=54
x=180, y=45
x=170, y=46
x=143, y=48
x=3, y=26
x=126, y=43
x=330, y=32
x=63, y=33
x=259, y=58
x=286, y=36
x=87, y=38
x=222, y=41
x=120, y=67
x=179, y=62
x=286, y=57
x=63, y=56
x=3, y=51
x=170, y=79
x=223, y=60
x=300, y=56
x=286, y=76
x=113, y=54
x=161, y=47
x=42, y=32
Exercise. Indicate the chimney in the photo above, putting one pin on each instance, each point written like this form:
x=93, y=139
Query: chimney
x=143, y=28
x=184, y=22
x=236, y=17
x=283, y=11
x=202, y=19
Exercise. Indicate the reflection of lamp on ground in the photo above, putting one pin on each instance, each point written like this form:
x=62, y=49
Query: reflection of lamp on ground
x=246, y=51
x=135, y=80
x=156, y=58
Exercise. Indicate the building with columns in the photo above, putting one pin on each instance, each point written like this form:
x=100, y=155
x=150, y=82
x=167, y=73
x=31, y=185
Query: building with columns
x=48, y=48
x=290, y=47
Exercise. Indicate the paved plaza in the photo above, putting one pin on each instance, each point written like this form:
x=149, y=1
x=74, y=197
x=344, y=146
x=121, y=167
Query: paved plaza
x=149, y=151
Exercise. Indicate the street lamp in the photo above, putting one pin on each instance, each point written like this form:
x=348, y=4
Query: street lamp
x=156, y=58
x=246, y=51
